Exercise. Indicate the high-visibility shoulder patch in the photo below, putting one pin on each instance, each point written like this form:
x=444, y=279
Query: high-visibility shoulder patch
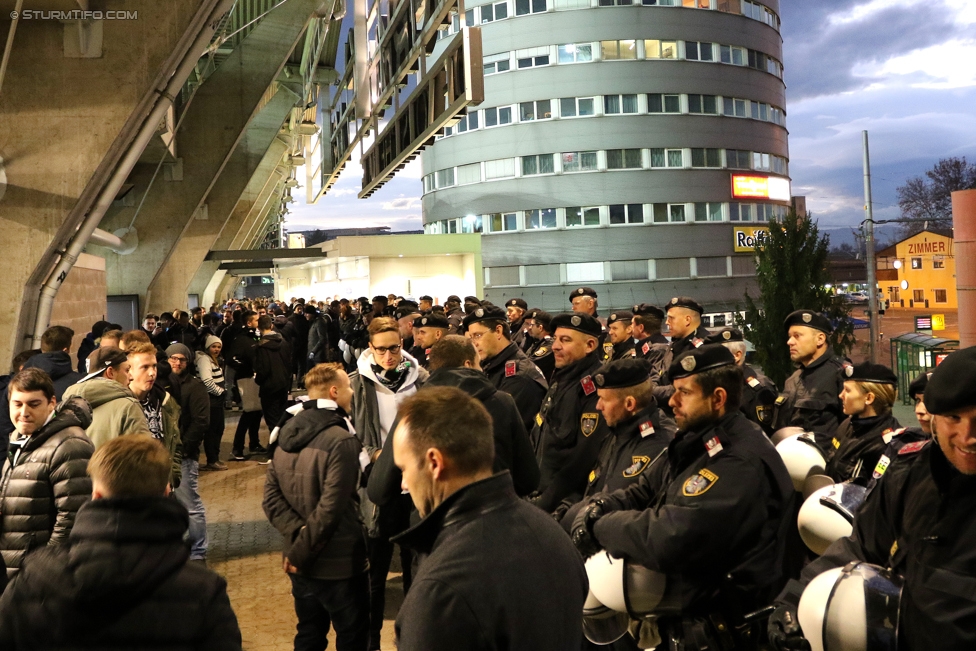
x=780, y=400
x=699, y=483
x=835, y=443
x=879, y=470
x=538, y=419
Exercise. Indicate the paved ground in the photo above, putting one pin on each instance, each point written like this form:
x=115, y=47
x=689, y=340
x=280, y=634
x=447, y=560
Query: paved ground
x=246, y=550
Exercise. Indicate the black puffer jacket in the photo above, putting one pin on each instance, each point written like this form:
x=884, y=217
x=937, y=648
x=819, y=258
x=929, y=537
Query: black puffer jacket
x=121, y=582
x=45, y=482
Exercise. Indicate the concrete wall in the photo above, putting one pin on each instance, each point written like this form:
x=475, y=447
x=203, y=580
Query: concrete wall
x=81, y=300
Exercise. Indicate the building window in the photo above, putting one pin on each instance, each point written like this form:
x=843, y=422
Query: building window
x=503, y=275
x=532, y=60
x=703, y=104
x=673, y=268
x=708, y=212
x=499, y=168
x=584, y=272
x=497, y=116
x=737, y=56
x=542, y=274
x=582, y=216
x=571, y=107
x=620, y=3
x=918, y=295
x=540, y=110
x=734, y=107
x=730, y=6
x=468, y=123
x=628, y=270
x=469, y=174
x=493, y=12
x=471, y=224
x=706, y=158
x=500, y=222
x=655, y=49
x=618, y=50
x=614, y=104
x=667, y=158
x=744, y=265
x=575, y=53
x=627, y=213
x=916, y=262
x=940, y=296
x=737, y=159
x=445, y=178
x=938, y=262
x=429, y=183
x=662, y=3
x=695, y=51
x=658, y=103
x=538, y=164
x=622, y=159
x=498, y=63
x=711, y=267
x=540, y=218
x=579, y=161
x=523, y=7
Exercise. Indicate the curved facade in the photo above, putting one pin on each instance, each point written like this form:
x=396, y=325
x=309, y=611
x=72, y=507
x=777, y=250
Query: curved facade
x=604, y=150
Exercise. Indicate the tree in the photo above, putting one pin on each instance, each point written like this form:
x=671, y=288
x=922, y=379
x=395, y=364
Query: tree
x=791, y=270
x=931, y=200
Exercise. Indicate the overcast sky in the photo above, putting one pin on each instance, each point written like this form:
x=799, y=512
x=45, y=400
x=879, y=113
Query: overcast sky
x=902, y=69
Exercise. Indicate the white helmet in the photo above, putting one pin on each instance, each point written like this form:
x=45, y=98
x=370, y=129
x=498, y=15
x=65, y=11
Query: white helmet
x=828, y=515
x=802, y=457
x=624, y=587
x=852, y=608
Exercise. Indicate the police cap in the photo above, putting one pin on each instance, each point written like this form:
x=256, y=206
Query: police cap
x=517, y=302
x=453, y=298
x=868, y=372
x=952, y=385
x=724, y=335
x=582, y=291
x=379, y=298
x=917, y=387
x=485, y=313
x=405, y=308
x=620, y=316
x=685, y=302
x=472, y=299
x=541, y=317
x=432, y=320
x=645, y=309
x=809, y=319
x=622, y=373
x=699, y=360
x=577, y=321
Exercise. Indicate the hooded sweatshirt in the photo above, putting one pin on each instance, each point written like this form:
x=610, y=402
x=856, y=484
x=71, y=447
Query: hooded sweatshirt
x=123, y=583
x=56, y=364
x=272, y=364
x=115, y=411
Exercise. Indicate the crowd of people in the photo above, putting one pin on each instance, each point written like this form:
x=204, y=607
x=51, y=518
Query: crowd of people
x=549, y=481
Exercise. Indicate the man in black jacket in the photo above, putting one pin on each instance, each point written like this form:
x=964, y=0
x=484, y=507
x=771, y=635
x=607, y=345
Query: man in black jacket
x=124, y=580
x=54, y=359
x=311, y=497
x=272, y=371
x=498, y=573
x=687, y=332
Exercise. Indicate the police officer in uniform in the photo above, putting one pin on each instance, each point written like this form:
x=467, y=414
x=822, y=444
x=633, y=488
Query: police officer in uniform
x=619, y=336
x=811, y=396
x=406, y=313
x=646, y=328
x=583, y=299
x=759, y=392
x=569, y=430
x=506, y=366
x=918, y=521
x=427, y=331
x=455, y=316
x=712, y=516
x=639, y=431
x=516, y=309
x=684, y=322
x=539, y=341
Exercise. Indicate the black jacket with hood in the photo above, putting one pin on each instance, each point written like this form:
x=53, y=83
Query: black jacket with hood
x=122, y=582
x=272, y=364
x=56, y=364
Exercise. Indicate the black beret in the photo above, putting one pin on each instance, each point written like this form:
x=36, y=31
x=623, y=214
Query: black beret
x=619, y=316
x=405, y=309
x=432, y=320
x=810, y=320
x=541, y=316
x=622, y=373
x=582, y=291
x=429, y=299
x=486, y=313
x=453, y=298
x=648, y=310
x=868, y=372
x=952, y=385
x=686, y=302
x=698, y=360
x=577, y=321
x=362, y=299
x=472, y=299
x=724, y=335
x=517, y=302
x=379, y=298
x=917, y=387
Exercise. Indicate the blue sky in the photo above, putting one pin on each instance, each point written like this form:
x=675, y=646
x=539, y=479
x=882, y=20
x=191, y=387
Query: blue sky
x=902, y=69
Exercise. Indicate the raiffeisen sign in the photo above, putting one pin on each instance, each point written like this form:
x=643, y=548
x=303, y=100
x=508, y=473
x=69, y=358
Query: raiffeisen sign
x=745, y=238
x=751, y=186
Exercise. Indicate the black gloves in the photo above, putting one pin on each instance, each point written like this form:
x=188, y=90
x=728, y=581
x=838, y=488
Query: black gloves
x=560, y=511
x=583, y=536
x=784, y=630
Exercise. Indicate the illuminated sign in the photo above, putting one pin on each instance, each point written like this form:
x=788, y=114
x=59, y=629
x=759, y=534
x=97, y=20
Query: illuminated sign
x=923, y=323
x=750, y=186
x=938, y=321
x=745, y=238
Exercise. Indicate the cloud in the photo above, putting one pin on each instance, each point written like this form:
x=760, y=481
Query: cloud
x=402, y=203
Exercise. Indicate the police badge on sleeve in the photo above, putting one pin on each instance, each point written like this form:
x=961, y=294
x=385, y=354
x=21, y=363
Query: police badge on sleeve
x=640, y=464
x=589, y=422
x=698, y=484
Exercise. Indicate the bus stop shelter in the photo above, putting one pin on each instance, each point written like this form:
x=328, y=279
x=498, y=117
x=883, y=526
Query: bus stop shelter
x=913, y=353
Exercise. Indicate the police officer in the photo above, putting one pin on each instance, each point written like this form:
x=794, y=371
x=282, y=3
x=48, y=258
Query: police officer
x=406, y=313
x=506, y=366
x=918, y=522
x=583, y=299
x=569, y=430
x=759, y=392
x=620, y=340
x=684, y=322
x=646, y=328
x=712, y=515
x=639, y=431
x=455, y=316
x=426, y=304
x=427, y=331
x=811, y=396
x=915, y=391
x=539, y=341
x=516, y=309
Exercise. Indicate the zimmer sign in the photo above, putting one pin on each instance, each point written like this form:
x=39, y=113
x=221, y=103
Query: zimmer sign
x=745, y=238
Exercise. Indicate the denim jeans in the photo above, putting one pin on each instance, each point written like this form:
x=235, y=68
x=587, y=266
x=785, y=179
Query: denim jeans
x=189, y=496
x=344, y=604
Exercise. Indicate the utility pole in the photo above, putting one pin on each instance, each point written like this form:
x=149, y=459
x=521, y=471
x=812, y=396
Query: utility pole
x=869, y=245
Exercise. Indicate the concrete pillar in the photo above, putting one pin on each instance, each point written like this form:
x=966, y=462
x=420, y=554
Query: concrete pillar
x=964, y=251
